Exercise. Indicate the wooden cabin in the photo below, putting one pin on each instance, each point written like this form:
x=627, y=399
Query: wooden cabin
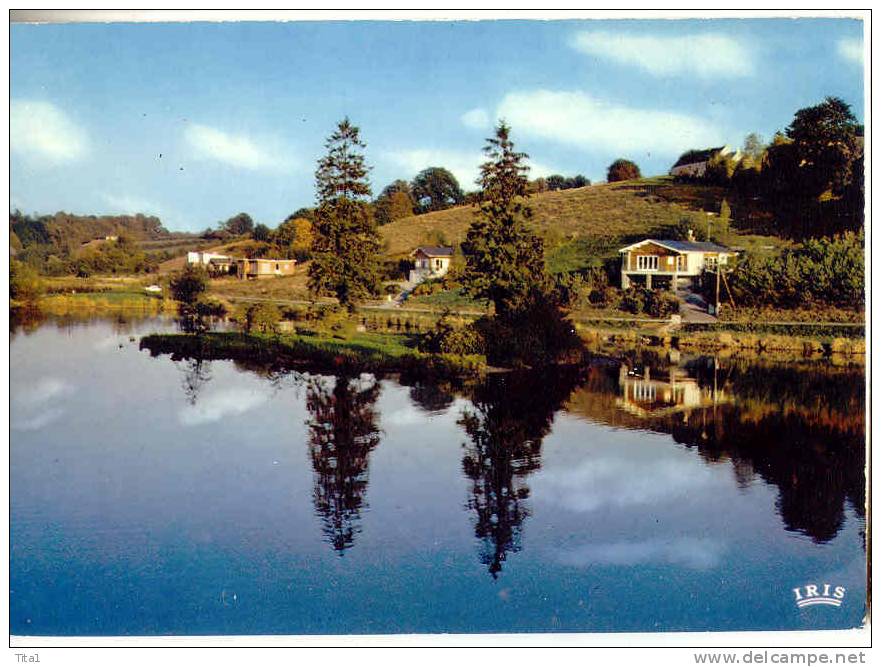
x=672, y=260
x=264, y=268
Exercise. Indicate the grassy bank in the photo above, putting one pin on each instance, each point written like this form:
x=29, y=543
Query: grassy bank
x=105, y=302
x=365, y=352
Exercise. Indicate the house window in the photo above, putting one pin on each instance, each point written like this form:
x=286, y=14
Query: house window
x=437, y=263
x=277, y=267
x=644, y=392
x=681, y=262
x=647, y=262
x=710, y=263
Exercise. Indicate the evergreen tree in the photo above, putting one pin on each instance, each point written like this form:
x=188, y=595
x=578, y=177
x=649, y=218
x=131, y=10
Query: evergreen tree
x=346, y=245
x=504, y=258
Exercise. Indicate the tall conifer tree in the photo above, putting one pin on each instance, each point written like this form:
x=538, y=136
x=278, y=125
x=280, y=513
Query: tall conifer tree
x=504, y=258
x=346, y=244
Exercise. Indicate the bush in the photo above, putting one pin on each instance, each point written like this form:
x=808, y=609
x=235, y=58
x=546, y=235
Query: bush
x=827, y=271
x=661, y=304
x=210, y=308
x=446, y=338
x=622, y=170
x=261, y=317
x=606, y=297
x=633, y=300
x=189, y=284
x=24, y=283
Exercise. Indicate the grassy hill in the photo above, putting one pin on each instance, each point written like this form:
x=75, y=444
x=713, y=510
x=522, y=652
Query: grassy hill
x=66, y=230
x=582, y=223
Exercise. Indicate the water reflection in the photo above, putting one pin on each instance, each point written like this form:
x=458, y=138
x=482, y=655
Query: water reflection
x=196, y=374
x=712, y=466
x=342, y=433
x=799, y=427
x=510, y=415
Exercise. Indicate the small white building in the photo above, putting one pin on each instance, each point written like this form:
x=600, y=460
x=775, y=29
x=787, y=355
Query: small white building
x=204, y=258
x=430, y=262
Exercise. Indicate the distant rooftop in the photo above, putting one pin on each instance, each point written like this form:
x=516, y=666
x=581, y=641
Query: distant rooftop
x=435, y=251
x=692, y=157
x=684, y=246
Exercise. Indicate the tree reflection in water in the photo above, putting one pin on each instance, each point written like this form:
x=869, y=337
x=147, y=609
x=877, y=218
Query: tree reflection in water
x=797, y=426
x=800, y=429
x=511, y=414
x=197, y=373
x=342, y=433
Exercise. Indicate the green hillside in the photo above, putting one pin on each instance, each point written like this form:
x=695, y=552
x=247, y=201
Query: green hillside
x=580, y=223
x=67, y=230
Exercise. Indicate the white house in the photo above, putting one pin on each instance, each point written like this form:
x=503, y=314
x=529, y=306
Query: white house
x=693, y=164
x=204, y=258
x=670, y=260
x=430, y=262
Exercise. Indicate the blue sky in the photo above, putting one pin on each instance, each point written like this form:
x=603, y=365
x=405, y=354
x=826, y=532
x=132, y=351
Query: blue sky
x=196, y=122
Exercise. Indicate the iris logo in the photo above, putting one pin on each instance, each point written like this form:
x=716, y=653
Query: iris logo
x=807, y=596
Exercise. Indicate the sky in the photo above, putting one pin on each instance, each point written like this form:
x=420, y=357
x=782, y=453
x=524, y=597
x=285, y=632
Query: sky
x=195, y=122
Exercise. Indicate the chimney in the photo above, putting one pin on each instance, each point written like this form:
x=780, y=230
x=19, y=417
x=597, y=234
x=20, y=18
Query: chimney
x=691, y=235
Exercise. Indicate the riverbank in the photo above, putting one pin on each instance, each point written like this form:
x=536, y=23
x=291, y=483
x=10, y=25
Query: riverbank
x=363, y=353
x=387, y=335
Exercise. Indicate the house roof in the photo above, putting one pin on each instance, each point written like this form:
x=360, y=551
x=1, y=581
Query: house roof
x=434, y=251
x=682, y=246
x=695, y=156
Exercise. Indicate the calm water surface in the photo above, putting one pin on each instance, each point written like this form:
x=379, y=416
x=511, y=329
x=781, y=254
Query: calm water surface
x=160, y=496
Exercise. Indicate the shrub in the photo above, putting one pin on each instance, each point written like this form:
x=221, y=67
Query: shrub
x=189, y=284
x=826, y=270
x=24, y=283
x=661, y=303
x=261, y=317
x=210, y=308
x=447, y=338
x=633, y=300
x=622, y=170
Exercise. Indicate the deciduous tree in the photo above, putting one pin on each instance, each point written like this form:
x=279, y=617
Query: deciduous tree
x=622, y=170
x=435, y=189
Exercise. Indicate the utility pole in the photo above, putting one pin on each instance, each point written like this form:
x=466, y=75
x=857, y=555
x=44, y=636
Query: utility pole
x=717, y=286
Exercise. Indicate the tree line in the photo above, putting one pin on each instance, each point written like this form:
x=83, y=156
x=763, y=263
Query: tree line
x=807, y=182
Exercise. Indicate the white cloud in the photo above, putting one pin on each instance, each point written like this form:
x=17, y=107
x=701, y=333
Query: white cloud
x=476, y=119
x=851, y=49
x=220, y=404
x=38, y=421
x=464, y=165
x=234, y=149
x=41, y=132
x=698, y=554
x=707, y=55
x=37, y=406
x=574, y=118
x=621, y=482
x=43, y=391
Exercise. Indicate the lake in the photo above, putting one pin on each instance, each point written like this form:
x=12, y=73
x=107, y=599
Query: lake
x=158, y=496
